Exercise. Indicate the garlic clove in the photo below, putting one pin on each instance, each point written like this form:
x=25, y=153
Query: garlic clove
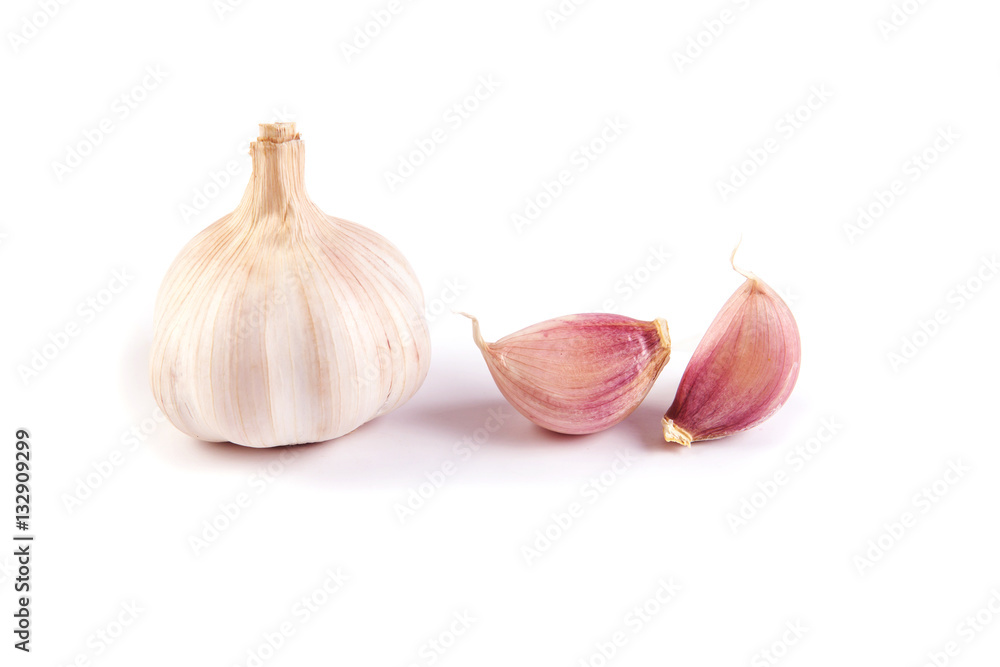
x=743, y=370
x=577, y=374
x=281, y=325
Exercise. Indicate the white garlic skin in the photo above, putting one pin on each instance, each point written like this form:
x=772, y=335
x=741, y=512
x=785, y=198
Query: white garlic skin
x=281, y=325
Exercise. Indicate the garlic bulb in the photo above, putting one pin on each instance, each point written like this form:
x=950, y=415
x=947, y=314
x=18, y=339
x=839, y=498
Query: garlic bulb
x=743, y=370
x=279, y=324
x=579, y=373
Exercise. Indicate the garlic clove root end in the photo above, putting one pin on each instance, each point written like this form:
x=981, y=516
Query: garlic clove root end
x=674, y=433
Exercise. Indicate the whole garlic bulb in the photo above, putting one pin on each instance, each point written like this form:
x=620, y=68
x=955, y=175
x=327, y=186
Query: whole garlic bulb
x=279, y=324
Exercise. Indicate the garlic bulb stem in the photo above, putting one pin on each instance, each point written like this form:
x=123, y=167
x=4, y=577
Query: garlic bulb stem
x=278, y=179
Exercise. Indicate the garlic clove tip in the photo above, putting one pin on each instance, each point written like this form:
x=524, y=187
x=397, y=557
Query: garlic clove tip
x=749, y=275
x=477, y=335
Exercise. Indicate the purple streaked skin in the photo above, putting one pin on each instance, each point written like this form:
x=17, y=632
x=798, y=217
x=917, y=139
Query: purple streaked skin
x=578, y=374
x=743, y=370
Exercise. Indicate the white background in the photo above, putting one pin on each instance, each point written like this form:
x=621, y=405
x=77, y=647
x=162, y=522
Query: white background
x=857, y=298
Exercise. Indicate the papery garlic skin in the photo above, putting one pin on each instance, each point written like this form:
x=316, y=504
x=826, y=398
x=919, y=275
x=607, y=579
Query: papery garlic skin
x=742, y=371
x=279, y=324
x=578, y=374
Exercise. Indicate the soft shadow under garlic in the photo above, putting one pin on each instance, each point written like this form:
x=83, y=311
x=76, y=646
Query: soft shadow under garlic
x=474, y=417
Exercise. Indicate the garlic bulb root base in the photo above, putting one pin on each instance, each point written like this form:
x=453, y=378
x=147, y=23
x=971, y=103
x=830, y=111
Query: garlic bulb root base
x=674, y=433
